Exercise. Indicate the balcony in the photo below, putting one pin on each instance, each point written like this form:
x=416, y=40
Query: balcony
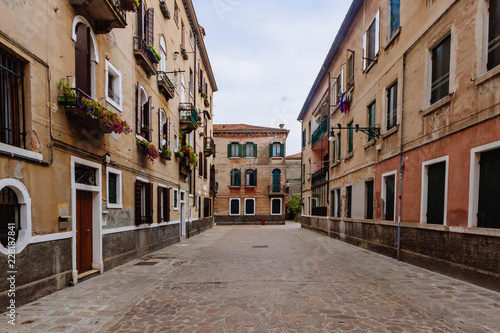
x=320, y=177
x=214, y=188
x=185, y=167
x=166, y=86
x=320, y=132
x=208, y=147
x=144, y=56
x=107, y=14
x=188, y=117
x=276, y=190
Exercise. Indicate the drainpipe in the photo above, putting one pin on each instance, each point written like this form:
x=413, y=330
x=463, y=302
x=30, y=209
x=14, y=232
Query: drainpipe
x=401, y=161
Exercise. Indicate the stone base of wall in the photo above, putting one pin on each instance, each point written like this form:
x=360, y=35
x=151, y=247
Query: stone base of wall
x=250, y=220
x=120, y=248
x=42, y=268
x=470, y=257
x=199, y=226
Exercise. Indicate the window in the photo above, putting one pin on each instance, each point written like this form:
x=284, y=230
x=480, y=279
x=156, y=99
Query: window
x=276, y=181
x=371, y=43
x=310, y=130
x=144, y=111
x=334, y=144
x=249, y=206
x=276, y=149
x=440, y=86
x=392, y=106
x=15, y=215
x=234, y=206
x=191, y=39
x=309, y=205
x=12, y=124
x=338, y=203
x=200, y=164
x=303, y=173
x=394, y=22
x=114, y=188
x=163, y=54
x=251, y=177
x=114, y=86
x=350, y=70
x=164, y=132
x=494, y=35
x=348, y=199
x=336, y=91
x=350, y=137
x=369, y=199
x=233, y=150
x=235, y=178
x=143, y=202
x=276, y=206
x=163, y=204
x=191, y=82
x=389, y=196
x=434, y=191
x=339, y=147
x=250, y=149
x=85, y=175
x=176, y=199
x=176, y=13
x=309, y=171
x=372, y=109
x=207, y=207
x=488, y=215
x=176, y=143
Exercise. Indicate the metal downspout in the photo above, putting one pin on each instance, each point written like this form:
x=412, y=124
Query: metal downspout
x=401, y=161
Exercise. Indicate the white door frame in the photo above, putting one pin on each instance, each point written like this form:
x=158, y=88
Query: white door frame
x=96, y=214
x=425, y=188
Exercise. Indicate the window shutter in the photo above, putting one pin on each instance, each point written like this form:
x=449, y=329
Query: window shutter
x=160, y=128
x=377, y=32
x=149, y=136
x=215, y=151
x=270, y=150
x=140, y=18
x=138, y=110
x=254, y=150
x=149, y=203
x=229, y=150
x=167, y=134
x=239, y=177
x=138, y=187
x=243, y=150
x=365, y=49
x=159, y=202
x=255, y=176
x=242, y=154
x=166, y=205
x=282, y=150
x=150, y=17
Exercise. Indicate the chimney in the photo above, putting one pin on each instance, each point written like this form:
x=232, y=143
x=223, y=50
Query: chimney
x=282, y=125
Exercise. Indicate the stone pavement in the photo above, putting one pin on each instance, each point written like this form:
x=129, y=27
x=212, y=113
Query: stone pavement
x=226, y=280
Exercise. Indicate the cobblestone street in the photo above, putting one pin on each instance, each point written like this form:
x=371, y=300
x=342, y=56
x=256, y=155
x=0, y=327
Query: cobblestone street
x=264, y=279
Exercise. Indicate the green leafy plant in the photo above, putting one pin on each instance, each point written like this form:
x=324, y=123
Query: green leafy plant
x=65, y=88
x=207, y=103
x=144, y=128
x=203, y=94
x=165, y=151
x=294, y=205
x=150, y=150
x=137, y=2
x=152, y=49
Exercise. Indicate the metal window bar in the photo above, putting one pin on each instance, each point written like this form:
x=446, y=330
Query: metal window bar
x=12, y=116
x=113, y=96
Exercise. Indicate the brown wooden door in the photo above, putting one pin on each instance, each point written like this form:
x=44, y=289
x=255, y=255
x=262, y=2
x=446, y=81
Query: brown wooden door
x=82, y=58
x=83, y=231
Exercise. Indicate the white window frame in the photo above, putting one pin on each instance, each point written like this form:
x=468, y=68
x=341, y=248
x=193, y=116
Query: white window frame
x=245, y=206
x=163, y=53
x=375, y=21
x=175, y=198
x=119, y=188
x=160, y=200
x=475, y=169
x=24, y=200
x=425, y=189
x=176, y=142
x=239, y=206
x=384, y=191
x=182, y=197
x=281, y=206
x=110, y=69
x=482, y=36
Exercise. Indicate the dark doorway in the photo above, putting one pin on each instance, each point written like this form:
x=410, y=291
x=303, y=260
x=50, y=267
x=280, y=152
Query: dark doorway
x=436, y=175
x=489, y=190
x=390, y=182
x=83, y=231
x=369, y=200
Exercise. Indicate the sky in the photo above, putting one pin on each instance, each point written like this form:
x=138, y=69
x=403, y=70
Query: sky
x=265, y=55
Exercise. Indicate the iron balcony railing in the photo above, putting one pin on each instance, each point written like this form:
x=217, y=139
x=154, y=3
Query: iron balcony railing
x=320, y=131
x=146, y=57
x=166, y=86
x=320, y=176
x=107, y=14
x=209, y=146
x=188, y=112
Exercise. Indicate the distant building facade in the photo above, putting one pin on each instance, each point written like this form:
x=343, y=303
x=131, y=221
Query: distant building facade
x=293, y=176
x=402, y=124
x=250, y=169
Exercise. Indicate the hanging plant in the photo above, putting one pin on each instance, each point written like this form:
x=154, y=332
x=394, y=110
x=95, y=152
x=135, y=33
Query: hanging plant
x=150, y=150
x=207, y=103
x=153, y=55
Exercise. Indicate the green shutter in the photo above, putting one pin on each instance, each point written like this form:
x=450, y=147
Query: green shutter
x=241, y=150
x=231, y=175
x=255, y=176
x=244, y=150
x=239, y=178
x=282, y=150
x=270, y=150
x=229, y=150
x=254, y=150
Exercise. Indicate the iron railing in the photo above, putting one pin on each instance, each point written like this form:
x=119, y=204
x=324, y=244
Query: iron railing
x=320, y=131
x=209, y=146
x=320, y=176
x=188, y=112
x=165, y=83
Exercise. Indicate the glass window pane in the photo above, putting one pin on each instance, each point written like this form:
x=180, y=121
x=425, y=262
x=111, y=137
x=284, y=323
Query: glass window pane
x=112, y=188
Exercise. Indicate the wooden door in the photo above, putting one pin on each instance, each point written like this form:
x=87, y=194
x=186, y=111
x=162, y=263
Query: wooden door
x=489, y=190
x=436, y=174
x=82, y=59
x=389, y=198
x=83, y=231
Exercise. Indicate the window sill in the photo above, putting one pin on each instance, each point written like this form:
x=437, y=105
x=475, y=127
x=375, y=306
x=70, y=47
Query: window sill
x=114, y=104
x=115, y=206
x=349, y=156
x=276, y=158
x=392, y=39
x=439, y=104
x=234, y=158
x=335, y=164
x=390, y=132
x=370, y=144
x=138, y=137
x=370, y=66
x=234, y=186
x=250, y=158
x=488, y=76
x=13, y=150
x=249, y=186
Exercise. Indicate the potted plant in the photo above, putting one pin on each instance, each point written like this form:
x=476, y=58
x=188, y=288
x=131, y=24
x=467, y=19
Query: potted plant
x=165, y=153
x=184, y=54
x=164, y=9
x=207, y=103
x=130, y=5
x=68, y=94
x=202, y=134
x=150, y=150
x=152, y=54
x=193, y=159
x=144, y=130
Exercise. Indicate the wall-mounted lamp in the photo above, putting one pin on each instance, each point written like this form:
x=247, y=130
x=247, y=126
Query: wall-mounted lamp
x=107, y=158
x=176, y=55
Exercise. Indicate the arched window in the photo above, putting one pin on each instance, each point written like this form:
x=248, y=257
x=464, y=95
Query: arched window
x=235, y=178
x=251, y=177
x=86, y=55
x=15, y=216
x=276, y=181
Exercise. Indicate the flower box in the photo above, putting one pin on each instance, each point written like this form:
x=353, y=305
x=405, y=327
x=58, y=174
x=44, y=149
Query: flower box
x=148, y=148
